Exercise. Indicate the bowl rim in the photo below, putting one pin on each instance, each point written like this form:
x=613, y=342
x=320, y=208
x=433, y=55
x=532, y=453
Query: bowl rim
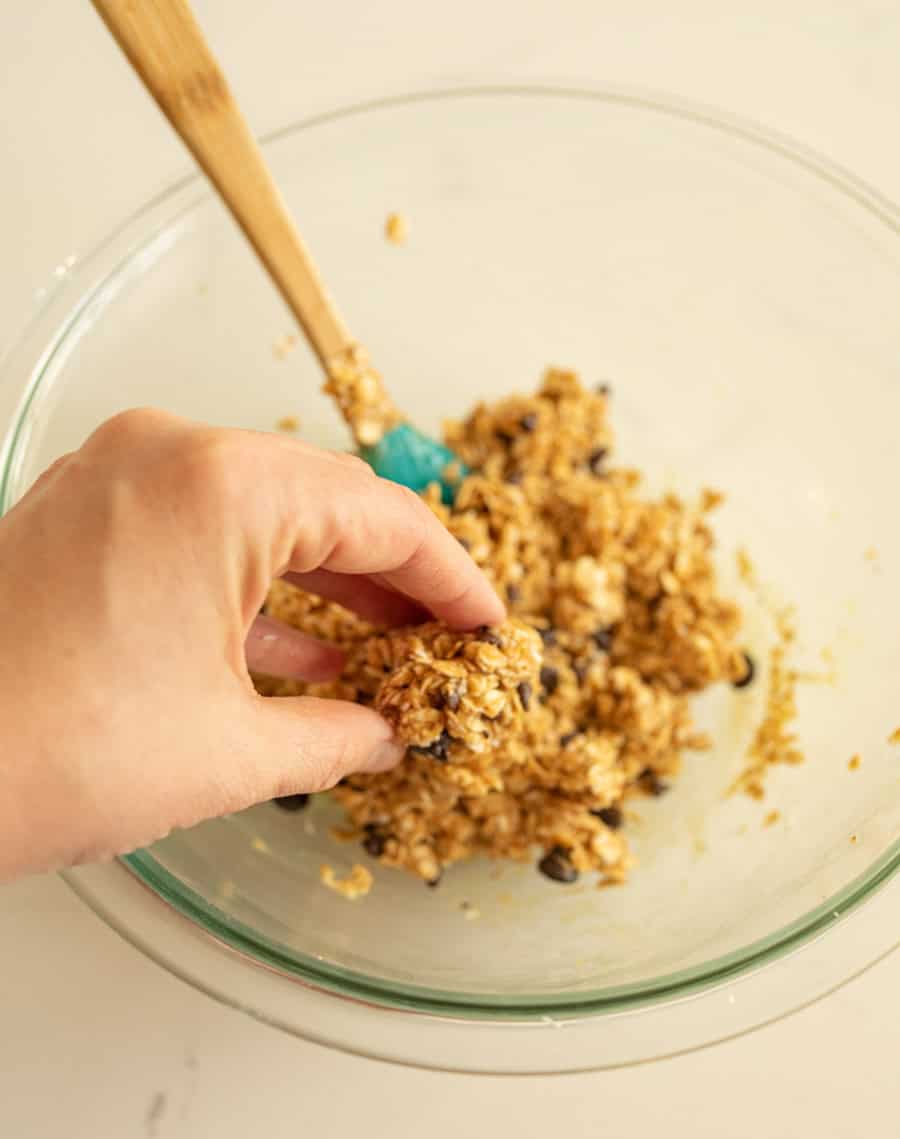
x=238, y=936
x=68, y=301
x=451, y=1043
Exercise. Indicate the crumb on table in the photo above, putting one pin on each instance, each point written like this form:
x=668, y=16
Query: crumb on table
x=853, y=764
x=288, y=423
x=894, y=737
x=355, y=884
x=771, y=818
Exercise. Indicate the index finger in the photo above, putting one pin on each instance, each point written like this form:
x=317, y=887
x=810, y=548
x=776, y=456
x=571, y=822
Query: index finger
x=350, y=521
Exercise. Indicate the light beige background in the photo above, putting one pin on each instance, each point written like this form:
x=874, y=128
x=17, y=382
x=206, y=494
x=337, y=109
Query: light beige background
x=94, y=1040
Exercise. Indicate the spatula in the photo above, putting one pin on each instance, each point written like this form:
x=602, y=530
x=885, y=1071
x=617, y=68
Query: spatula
x=167, y=49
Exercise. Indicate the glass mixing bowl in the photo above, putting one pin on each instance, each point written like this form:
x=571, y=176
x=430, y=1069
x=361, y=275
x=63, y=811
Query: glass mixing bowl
x=741, y=295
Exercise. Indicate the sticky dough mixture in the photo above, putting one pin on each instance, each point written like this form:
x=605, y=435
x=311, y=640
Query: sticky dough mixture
x=525, y=741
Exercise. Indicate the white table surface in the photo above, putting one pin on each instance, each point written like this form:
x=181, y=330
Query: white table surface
x=95, y=1041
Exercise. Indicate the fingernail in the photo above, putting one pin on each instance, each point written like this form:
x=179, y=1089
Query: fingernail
x=385, y=756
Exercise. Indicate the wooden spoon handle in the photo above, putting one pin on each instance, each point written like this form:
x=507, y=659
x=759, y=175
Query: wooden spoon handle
x=166, y=47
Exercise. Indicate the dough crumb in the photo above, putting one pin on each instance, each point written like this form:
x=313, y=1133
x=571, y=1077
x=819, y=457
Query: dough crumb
x=396, y=229
x=710, y=499
x=355, y=884
x=771, y=818
x=745, y=567
x=894, y=737
x=854, y=763
x=284, y=345
x=288, y=423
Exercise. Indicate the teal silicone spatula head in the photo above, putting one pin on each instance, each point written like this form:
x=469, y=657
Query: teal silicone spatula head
x=406, y=456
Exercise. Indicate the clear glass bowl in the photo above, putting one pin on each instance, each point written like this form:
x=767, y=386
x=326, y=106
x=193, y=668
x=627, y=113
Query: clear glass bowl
x=741, y=295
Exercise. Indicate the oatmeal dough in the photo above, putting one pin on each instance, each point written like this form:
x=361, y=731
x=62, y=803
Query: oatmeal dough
x=359, y=392
x=524, y=741
x=356, y=884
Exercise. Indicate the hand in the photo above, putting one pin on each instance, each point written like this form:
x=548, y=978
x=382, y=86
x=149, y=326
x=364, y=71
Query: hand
x=131, y=576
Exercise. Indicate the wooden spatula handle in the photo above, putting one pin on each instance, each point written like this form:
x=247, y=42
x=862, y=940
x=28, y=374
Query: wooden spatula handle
x=166, y=47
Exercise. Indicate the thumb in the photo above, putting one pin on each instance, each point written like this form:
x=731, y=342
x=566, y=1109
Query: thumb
x=306, y=744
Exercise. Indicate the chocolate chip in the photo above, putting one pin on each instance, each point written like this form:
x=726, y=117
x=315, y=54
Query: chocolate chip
x=565, y=740
x=374, y=844
x=504, y=437
x=291, y=802
x=453, y=699
x=435, y=881
x=465, y=545
x=549, y=679
x=524, y=691
x=513, y=593
x=602, y=389
x=263, y=610
x=548, y=636
x=489, y=636
x=602, y=638
x=363, y=697
x=597, y=458
x=747, y=679
x=437, y=700
x=612, y=816
x=556, y=865
x=652, y=783
x=528, y=422
x=438, y=749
